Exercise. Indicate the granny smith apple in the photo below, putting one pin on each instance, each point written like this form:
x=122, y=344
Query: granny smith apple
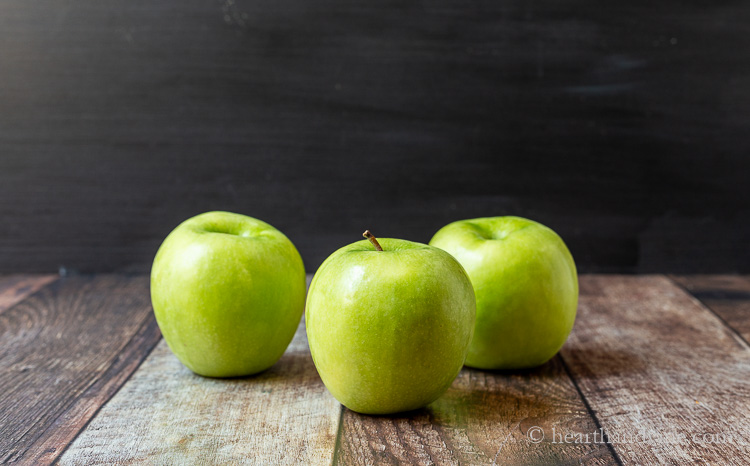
x=228, y=293
x=389, y=323
x=526, y=287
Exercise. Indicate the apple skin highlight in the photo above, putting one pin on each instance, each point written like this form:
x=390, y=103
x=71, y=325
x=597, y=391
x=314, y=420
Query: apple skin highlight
x=526, y=289
x=389, y=330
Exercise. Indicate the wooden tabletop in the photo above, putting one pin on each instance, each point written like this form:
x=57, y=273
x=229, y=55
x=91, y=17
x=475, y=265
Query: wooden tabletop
x=657, y=370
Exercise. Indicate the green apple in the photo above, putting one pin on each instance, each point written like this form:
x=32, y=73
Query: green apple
x=526, y=287
x=228, y=293
x=389, y=327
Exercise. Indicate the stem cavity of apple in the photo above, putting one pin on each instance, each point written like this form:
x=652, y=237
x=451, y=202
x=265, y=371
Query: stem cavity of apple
x=372, y=239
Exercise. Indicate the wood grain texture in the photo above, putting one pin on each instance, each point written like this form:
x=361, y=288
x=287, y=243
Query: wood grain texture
x=621, y=126
x=484, y=418
x=14, y=288
x=166, y=414
x=727, y=295
x=667, y=380
x=63, y=353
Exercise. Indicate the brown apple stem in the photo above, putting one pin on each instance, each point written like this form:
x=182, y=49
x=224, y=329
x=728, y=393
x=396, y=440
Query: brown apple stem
x=372, y=239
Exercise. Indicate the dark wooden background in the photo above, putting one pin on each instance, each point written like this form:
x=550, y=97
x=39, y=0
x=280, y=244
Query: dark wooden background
x=625, y=126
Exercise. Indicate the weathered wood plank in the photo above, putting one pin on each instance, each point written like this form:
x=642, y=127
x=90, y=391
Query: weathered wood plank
x=63, y=353
x=484, y=418
x=14, y=288
x=727, y=295
x=167, y=415
x=667, y=380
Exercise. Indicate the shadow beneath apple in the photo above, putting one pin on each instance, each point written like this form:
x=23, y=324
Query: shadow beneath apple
x=590, y=362
x=527, y=371
x=294, y=371
x=402, y=416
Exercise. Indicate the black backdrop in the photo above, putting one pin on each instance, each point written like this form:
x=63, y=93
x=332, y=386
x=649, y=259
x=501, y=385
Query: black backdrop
x=625, y=126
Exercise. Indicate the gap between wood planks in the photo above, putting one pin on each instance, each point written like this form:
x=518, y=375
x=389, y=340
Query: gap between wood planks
x=66, y=429
x=592, y=413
